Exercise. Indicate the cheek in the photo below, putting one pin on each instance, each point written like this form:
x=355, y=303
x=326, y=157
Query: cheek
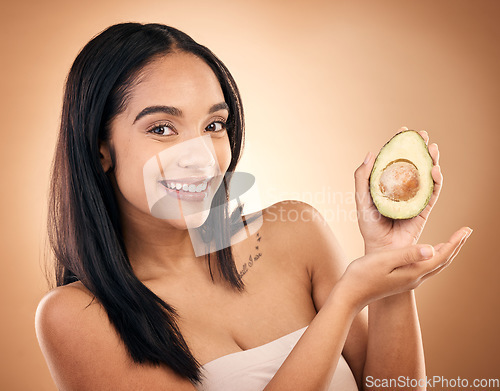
x=129, y=175
x=223, y=151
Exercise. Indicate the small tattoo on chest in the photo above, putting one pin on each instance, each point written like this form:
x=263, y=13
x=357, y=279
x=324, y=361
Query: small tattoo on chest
x=257, y=253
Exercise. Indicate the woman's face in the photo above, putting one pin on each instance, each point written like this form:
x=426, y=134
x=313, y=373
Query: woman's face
x=170, y=144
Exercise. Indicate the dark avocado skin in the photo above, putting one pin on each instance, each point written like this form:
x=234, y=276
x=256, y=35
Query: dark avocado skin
x=373, y=169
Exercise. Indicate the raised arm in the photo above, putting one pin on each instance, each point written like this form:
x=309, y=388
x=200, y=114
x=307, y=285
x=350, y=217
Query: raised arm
x=312, y=362
x=394, y=346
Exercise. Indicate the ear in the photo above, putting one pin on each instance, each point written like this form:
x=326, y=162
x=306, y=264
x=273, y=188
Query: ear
x=105, y=155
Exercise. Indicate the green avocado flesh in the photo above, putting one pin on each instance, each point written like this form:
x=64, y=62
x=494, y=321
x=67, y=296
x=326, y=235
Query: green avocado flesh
x=401, y=182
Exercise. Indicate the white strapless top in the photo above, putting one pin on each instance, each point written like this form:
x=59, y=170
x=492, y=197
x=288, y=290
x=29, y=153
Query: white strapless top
x=253, y=369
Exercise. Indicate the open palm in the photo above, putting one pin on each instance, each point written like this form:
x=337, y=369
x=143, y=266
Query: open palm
x=380, y=232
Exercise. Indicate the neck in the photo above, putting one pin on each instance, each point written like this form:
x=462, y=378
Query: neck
x=157, y=247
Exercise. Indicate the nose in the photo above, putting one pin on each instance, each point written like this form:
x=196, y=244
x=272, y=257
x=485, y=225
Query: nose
x=197, y=154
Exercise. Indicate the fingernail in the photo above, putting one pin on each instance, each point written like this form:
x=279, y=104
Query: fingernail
x=367, y=158
x=427, y=252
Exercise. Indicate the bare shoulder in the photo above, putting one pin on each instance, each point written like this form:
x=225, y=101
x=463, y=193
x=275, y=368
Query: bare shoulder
x=301, y=226
x=294, y=215
x=291, y=219
x=59, y=307
x=303, y=230
x=84, y=352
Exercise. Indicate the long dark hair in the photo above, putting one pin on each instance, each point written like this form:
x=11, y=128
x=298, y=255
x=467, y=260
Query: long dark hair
x=83, y=217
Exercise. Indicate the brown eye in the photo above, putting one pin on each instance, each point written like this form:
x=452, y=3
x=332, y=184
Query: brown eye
x=217, y=126
x=162, y=130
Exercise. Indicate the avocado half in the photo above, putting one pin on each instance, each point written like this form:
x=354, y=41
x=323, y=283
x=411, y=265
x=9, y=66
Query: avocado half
x=401, y=182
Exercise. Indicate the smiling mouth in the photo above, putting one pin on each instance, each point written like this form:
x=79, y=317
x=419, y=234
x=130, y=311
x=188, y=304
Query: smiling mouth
x=184, y=186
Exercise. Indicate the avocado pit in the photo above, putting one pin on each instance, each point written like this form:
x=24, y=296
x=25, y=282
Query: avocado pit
x=400, y=180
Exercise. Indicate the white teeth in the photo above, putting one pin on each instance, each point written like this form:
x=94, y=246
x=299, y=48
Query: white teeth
x=191, y=188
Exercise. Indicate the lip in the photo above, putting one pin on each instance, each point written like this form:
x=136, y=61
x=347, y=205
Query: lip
x=188, y=196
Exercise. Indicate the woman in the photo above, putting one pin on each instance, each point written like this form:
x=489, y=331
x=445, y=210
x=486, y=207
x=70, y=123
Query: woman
x=150, y=115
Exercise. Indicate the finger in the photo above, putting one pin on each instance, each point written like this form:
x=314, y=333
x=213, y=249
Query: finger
x=408, y=256
x=438, y=246
x=424, y=135
x=362, y=184
x=434, y=152
x=454, y=240
x=447, y=262
x=437, y=176
x=457, y=249
x=445, y=252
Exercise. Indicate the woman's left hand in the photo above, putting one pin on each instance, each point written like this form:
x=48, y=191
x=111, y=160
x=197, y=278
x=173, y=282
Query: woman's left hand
x=380, y=232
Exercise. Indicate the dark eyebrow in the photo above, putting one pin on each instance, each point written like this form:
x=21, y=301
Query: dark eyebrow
x=218, y=106
x=175, y=111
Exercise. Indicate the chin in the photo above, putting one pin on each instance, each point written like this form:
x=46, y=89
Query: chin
x=196, y=220
x=190, y=221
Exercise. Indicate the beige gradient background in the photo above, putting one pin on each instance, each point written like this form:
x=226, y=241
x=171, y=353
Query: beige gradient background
x=323, y=83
